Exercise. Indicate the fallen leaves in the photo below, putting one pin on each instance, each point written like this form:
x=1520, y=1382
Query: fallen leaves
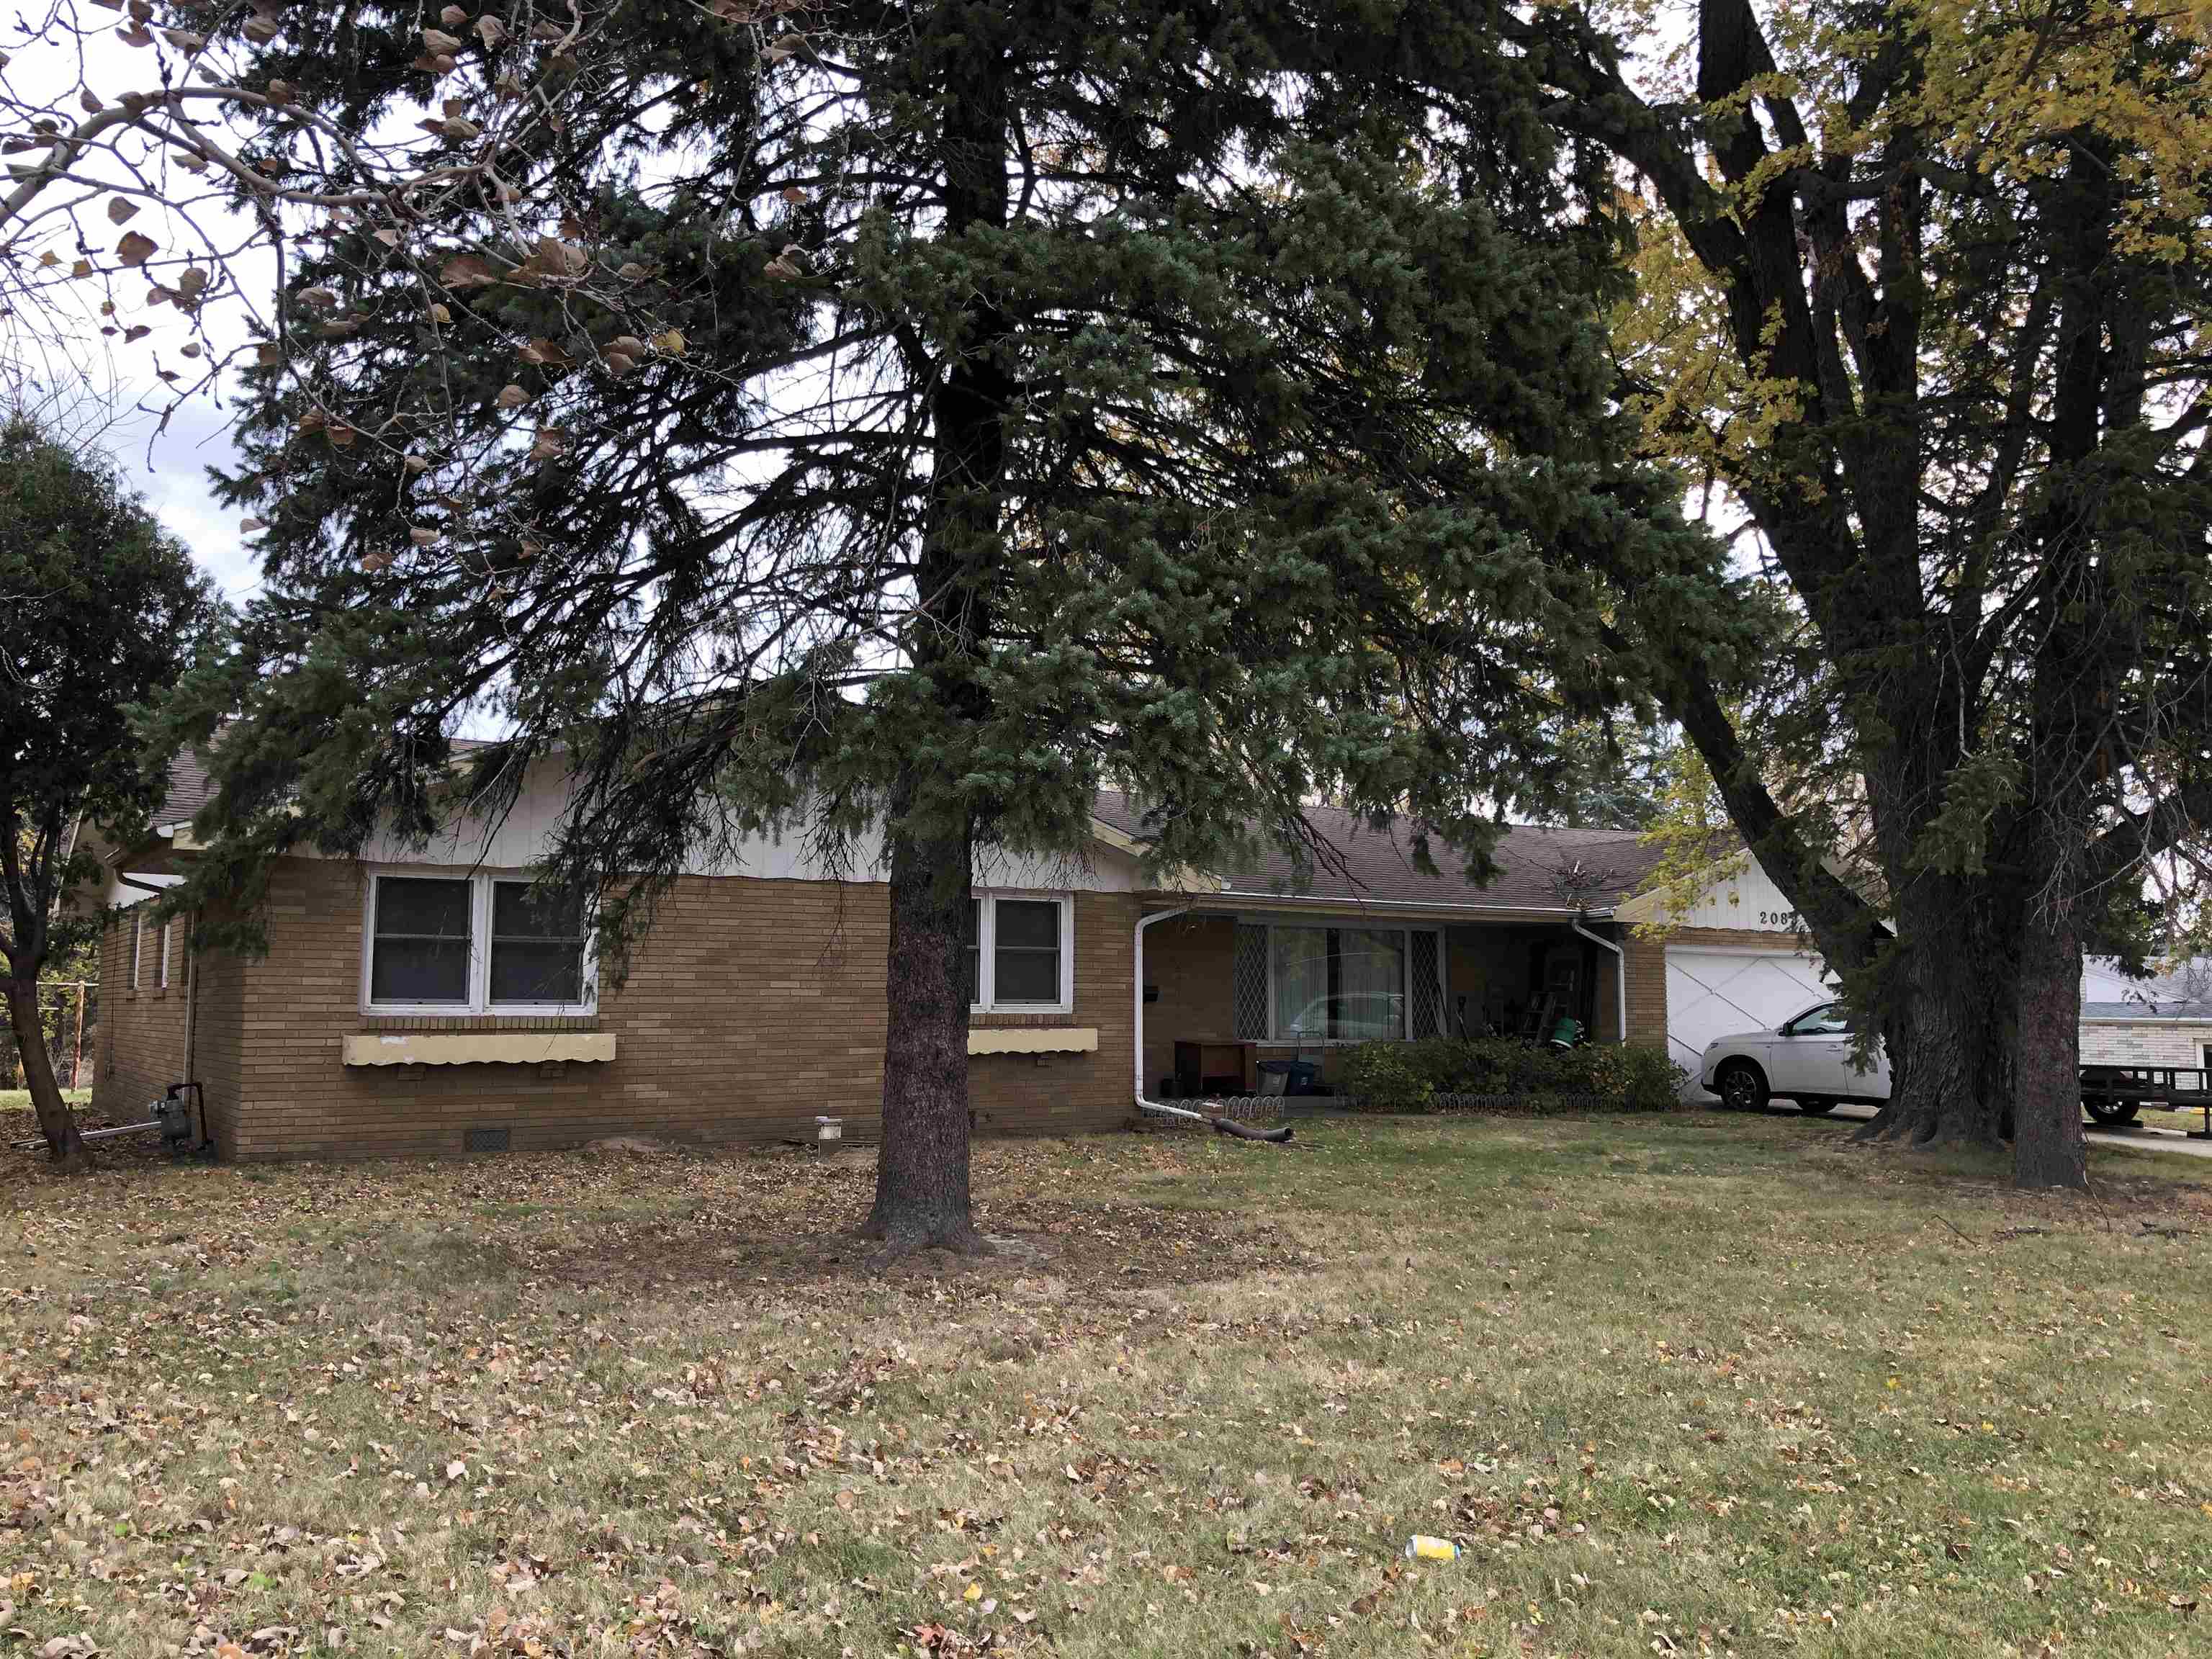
x=686, y=1420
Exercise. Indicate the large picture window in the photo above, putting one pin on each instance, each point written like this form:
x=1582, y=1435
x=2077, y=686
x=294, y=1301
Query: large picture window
x=473, y=944
x=1321, y=982
x=1020, y=954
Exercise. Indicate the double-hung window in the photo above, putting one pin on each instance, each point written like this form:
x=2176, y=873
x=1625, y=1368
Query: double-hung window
x=1020, y=954
x=475, y=944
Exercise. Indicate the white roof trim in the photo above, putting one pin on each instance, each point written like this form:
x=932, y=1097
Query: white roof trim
x=1250, y=899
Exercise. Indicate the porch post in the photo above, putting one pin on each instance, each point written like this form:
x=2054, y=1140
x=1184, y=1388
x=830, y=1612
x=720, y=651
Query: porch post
x=1619, y=976
x=1137, y=996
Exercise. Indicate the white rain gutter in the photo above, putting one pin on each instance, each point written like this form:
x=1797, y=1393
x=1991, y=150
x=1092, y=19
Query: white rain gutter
x=1619, y=973
x=1136, y=967
x=1255, y=902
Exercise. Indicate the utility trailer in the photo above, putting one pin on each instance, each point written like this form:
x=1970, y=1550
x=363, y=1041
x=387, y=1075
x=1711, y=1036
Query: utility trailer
x=2113, y=1095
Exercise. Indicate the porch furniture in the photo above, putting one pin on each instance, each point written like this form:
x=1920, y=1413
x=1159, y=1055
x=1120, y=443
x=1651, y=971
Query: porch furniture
x=1212, y=1065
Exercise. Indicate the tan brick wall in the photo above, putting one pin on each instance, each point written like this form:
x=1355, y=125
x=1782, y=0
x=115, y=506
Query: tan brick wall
x=139, y=1050
x=218, y=1031
x=1192, y=960
x=1647, y=992
x=752, y=1007
x=1060, y=1094
x=1605, y=1014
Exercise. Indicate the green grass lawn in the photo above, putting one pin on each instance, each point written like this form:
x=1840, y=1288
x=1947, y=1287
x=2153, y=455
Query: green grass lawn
x=19, y=1100
x=1697, y=1384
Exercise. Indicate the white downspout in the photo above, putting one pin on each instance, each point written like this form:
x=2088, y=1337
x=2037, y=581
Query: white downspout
x=1137, y=968
x=1620, y=973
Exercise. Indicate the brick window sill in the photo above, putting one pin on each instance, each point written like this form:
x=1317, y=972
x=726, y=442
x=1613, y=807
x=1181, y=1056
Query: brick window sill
x=373, y=1022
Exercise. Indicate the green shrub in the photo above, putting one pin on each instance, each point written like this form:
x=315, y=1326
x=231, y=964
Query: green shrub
x=1408, y=1077
x=1381, y=1077
x=1641, y=1079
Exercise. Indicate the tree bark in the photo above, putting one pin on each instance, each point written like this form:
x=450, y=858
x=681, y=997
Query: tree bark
x=64, y=1146
x=1946, y=1037
x=2048, y=1149
x=921, y=1173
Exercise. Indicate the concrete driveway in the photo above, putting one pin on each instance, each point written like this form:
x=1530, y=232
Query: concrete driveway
x=2141, y=1136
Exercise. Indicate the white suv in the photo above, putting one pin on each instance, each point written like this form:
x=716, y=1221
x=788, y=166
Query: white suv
x=1809, y=1060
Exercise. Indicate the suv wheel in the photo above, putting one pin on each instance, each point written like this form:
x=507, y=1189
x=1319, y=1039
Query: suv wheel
x=1743, y=1086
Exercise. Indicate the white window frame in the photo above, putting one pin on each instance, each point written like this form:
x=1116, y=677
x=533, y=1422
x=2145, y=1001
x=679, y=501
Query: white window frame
x=986, y=936
x=161, y=962
x=1273, y=919
x=138, y=948
x=479, y=1002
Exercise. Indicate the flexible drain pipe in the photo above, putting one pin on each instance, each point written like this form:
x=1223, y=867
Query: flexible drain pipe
x=1160, y=1109
x=1620, y=973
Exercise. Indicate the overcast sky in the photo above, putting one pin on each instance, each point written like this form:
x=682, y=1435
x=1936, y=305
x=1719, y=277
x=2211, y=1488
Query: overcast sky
x=175, y=484
x=170, y=469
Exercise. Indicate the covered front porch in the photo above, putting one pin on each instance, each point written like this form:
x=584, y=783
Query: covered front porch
x=1226, y=990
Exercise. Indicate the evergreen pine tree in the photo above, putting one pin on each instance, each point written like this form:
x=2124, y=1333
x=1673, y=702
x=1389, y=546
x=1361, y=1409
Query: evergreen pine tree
x=851, y=417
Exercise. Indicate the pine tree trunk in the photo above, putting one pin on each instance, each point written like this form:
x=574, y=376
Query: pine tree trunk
x=64, y=1146
x=921, y=1173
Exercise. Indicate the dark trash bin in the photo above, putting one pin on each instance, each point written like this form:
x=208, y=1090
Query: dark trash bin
x=1289, y=1077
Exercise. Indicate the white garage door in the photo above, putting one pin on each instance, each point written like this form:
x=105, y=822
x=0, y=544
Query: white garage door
x=1712, y=994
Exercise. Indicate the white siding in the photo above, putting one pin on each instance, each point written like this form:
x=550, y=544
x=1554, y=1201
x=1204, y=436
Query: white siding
x=1747, y=901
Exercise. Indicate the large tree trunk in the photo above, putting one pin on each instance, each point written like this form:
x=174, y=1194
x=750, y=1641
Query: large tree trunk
x=64, y=1146
x=1946, y=1036
x=922, y=1174
x=2048, y=1149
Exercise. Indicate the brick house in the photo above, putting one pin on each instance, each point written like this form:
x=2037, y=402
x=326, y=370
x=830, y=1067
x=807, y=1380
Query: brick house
x=2163, y=1020
x=422, y=1000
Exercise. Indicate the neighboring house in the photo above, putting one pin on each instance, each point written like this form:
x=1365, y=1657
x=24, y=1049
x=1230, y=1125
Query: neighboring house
x=417, y=1000
x=2163, y=1020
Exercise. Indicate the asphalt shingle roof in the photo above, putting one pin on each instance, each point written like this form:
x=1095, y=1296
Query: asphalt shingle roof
x=2182, y=992
x=189, y=789
x=1539, y=867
